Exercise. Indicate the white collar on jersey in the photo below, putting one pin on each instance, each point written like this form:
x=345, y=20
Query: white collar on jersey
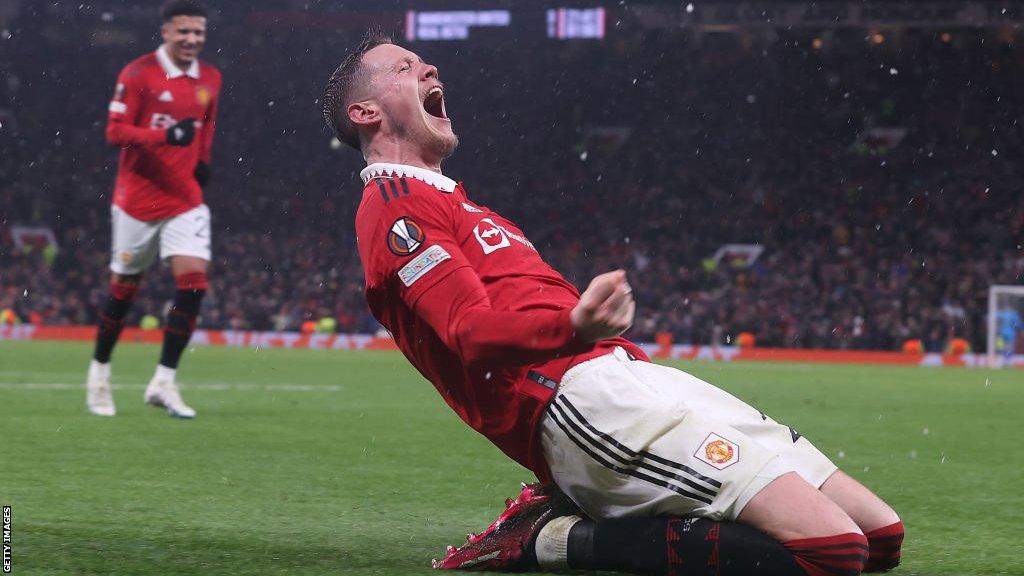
x=171, y=69
x=439, y=181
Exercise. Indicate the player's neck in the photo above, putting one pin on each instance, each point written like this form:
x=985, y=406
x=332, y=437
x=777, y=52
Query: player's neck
x=179, y=64
x=396, y=153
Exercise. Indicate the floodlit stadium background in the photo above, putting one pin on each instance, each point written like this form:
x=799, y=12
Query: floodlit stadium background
x=871, y=152
x=868, y=154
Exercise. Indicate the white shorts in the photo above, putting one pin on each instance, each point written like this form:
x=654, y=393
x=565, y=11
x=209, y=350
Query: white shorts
x=134, y=243
x=632, y=438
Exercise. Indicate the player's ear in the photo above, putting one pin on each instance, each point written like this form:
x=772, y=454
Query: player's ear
x=364, y=113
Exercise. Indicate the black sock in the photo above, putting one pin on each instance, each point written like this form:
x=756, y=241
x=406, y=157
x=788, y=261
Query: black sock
x=678, y=546
x=110, y=322
x=181, y=321
x=634, y=545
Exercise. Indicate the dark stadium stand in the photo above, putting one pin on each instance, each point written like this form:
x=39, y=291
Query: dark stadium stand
x=733, y=138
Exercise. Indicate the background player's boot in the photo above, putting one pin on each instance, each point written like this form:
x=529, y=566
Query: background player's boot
x=98, y=397
x=507, y=543
x=164, y=394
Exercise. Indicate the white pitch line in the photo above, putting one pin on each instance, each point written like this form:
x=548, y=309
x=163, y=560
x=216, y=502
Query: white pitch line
x=212, y=386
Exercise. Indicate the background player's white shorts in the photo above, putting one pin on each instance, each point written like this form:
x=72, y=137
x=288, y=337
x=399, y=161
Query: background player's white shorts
x=135, y=243
x=632, y=438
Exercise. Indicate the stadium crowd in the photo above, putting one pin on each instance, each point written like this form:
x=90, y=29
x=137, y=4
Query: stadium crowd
x=647, y=154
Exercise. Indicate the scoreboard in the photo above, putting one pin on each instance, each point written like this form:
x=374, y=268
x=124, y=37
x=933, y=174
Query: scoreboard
x=554, y=23
x=565, y=23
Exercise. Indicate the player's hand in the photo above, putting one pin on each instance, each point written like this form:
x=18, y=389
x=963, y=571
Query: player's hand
x=606, y=308
x=202, y=173
x=182, y=133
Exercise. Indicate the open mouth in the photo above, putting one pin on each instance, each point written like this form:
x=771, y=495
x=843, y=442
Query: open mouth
x=433, y=104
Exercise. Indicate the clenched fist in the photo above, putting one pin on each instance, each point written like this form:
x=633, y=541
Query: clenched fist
x=606, y=307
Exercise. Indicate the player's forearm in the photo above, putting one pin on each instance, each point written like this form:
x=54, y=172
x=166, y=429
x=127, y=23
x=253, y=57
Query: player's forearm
x=514, y=338
x=123, y=134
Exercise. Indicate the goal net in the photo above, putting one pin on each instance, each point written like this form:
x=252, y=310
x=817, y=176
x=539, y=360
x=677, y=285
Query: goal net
x=1005, y=338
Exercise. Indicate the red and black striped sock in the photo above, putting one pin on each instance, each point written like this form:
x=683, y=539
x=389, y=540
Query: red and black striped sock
x=842, y=555
x=110, y=319
x=181, y=319
x=884, y=545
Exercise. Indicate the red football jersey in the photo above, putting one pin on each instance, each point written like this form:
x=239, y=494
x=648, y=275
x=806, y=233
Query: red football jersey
x=470, y=303
x=154, y=179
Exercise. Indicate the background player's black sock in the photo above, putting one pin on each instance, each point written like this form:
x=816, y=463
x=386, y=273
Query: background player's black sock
x=181, y=321
x=678, y=546
x=111, y=319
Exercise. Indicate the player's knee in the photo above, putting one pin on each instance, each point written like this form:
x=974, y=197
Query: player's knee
x=843, y=554
x=885, y=546
x=195, y=280
x=791, y=509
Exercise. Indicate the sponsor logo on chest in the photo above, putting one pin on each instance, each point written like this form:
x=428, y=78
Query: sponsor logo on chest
x=493, y=236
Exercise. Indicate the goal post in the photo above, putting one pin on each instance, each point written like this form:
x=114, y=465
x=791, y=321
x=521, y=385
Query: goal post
x=1005, y=322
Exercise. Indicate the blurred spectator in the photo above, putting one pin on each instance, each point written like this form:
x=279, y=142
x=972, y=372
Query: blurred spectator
x=867, y=245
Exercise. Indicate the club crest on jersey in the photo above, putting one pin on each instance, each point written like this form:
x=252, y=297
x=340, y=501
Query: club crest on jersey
x=718, y=452
x=405, y=236
x=203, y=95
x=166, y=96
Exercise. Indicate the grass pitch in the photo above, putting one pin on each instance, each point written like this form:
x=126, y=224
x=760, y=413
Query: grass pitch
x=320, y=462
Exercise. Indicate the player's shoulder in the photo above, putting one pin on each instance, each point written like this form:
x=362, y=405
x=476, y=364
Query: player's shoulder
x=140, y=66
x=209, y=70
x=385, y=194
x=405, y=187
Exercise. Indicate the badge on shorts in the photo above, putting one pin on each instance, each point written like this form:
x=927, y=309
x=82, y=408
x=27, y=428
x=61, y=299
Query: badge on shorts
x=405, y=236
x=718, y=452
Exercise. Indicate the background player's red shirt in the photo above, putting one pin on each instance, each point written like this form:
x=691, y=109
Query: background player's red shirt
x=156, y=180
x=470, y=303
